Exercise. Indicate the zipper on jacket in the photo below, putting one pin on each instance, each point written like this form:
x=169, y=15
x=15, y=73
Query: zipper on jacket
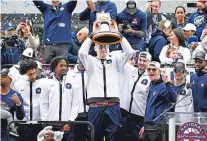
x=132, y=92
x=60, y=103
x=83, y=91
x=31, y=106
x=104, y=77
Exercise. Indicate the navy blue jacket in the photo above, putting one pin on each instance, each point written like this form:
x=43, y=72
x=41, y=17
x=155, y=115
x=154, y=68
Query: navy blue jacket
x=137, y=21
x=159, y=99
x=157, y=42
x=57, y=23
x=8, y=104
x=199, y=90
x=107, y=7
x=199, y=20
x=73, y=49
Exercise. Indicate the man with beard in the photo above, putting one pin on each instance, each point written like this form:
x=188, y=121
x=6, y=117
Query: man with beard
x=61, y=102
x=11, y=101
x=199, y=83
x=30, y=89
x=134, y=96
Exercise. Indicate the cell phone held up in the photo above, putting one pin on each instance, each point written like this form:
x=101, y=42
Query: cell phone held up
x=24, y=20
x=191, y=5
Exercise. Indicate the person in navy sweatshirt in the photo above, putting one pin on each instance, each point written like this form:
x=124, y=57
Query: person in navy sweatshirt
x=77, y=39
x=199, y=18
x=198, y=83
x=132, y=23
x=57, y=27
x=159, y=99
x=89, y=13
x=159, y=39
x=11, y=101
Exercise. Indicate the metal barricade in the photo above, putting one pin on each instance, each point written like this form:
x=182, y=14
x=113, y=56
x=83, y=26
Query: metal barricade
x=52, y=123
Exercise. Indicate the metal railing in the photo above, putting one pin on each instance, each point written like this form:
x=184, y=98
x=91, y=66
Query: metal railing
x=52, y=123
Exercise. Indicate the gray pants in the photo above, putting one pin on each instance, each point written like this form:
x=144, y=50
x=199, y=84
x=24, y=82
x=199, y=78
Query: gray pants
x=7, y=115
x=52, y=51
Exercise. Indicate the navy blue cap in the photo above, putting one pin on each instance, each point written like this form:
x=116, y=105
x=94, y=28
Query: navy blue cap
x=7, y=26
x=192, y=39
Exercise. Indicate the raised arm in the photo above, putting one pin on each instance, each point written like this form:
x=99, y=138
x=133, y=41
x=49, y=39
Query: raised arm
x=71, y=5
x=41, y=5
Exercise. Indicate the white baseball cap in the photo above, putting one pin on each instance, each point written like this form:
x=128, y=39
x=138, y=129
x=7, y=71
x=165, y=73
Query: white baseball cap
x=28, y=52
x=189, y=27
x=146, y=55
x=154, y=64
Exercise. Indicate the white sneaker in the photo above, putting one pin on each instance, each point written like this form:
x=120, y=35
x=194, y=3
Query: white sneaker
x=13, y=132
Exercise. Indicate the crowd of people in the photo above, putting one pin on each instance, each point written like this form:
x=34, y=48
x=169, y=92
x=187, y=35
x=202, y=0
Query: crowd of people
x=121, y=89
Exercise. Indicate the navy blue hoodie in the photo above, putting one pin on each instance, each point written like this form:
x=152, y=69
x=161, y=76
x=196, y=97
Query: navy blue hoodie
x=199, y=20
x=106, y=6
x=137, y=21
x=157, y=42
x=73, y=49
x=57, y=23
x=199, y=90
x=159, y=99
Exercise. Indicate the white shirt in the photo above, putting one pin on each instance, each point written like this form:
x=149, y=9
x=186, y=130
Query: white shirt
x=182, y=50
x=50, y=101
x=94, y=69
x=14, y=73
x=77, y=78
x=38, y=88
x=130, y=75
x=185, y=104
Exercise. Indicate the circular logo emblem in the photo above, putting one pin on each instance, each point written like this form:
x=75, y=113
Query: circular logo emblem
x=191, y=131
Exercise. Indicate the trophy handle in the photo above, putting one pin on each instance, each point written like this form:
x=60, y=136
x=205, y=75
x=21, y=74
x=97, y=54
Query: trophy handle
x=114, y=25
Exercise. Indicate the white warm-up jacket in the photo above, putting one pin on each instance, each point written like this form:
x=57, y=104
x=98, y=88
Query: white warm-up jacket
x=50, y=101
x=94, y=69
x=130, y=75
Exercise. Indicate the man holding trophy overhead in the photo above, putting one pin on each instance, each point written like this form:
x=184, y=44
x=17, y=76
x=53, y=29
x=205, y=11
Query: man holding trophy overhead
x=103, y=76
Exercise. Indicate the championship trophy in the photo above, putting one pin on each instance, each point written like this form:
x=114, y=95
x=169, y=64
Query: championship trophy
x=105, y=30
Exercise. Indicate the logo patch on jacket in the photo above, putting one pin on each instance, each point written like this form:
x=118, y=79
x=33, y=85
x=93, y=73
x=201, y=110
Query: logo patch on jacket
x=134, y=21
x=62, y=8
x=109, y=61
x=154, y=93
x=144, y=82
x=202, y=84
x=38, y=91
x=68, y=86
x=183, y=92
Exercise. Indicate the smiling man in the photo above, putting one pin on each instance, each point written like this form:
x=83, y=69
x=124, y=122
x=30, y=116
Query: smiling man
x=103, y=88
x=135, y=86
x=159, y=99
x=199, y=83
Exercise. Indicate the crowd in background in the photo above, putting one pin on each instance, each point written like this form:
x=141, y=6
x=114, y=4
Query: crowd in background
x=104, y=78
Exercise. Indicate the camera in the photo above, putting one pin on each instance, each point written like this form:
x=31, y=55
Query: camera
x=191, y=4
x=125, y=26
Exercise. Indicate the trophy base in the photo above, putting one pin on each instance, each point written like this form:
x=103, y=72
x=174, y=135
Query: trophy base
x=106, y=38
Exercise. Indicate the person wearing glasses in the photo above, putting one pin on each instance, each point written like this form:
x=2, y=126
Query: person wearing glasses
x=198, y=83
x=159, y=99
x=103, y=87
x=182, y=90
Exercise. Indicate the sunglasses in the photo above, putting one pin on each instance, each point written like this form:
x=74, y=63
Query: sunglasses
x=102, y=46
x=151, y=69
x=179, y=70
